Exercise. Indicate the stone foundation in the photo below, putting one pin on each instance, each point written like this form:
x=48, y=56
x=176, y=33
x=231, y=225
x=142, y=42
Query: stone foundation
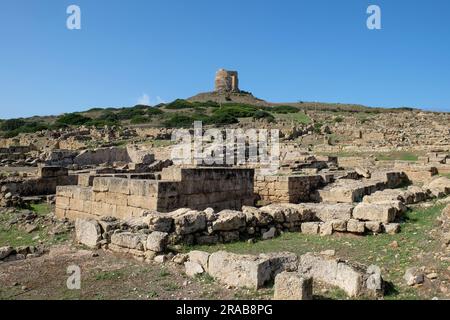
x=197, y=188
x=287, y=189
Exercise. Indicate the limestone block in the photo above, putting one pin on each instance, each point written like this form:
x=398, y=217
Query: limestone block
x=199, y=257
x=157, y=241
x=158, y=221
x=356, y=226
x=229, y=220
x=193, y=269
x=373, y=226
x=143, y=187
x=242, y=271
x=381, y=212
x=310, y=227
x=339, y=225
x=62, y=202
x=88, y=232
x=293, y=286
x=101, y=184
x=129, y=240
x=65, y=191
x=60, y=213
x=391, y=228
x=118, y=199
x=188, y=221
x=350, y=278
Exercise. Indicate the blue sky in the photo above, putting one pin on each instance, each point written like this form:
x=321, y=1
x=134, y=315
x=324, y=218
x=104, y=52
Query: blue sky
x=310, y=50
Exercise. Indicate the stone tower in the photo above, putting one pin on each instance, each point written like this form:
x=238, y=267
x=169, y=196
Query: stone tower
x=226, y=81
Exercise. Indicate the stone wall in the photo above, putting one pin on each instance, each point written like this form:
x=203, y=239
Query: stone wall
x=45, y=184
x=111, y=155
x=196, y=188
x=287, y=189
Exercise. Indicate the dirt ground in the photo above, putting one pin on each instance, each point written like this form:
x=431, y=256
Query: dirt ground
x=105, y=276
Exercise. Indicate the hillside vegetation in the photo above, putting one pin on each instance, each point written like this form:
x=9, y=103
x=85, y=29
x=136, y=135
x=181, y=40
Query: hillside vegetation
x=180, y=113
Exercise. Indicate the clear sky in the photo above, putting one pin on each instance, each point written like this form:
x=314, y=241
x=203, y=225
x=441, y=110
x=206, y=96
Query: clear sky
x=158, y=50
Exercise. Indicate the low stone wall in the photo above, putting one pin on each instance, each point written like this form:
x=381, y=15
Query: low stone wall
x=350, y=191
x=417, y=173
x=99, y=156
x=287, y=189
x=195, y=188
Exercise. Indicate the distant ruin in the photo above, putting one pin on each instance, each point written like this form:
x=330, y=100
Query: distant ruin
x=226, y=81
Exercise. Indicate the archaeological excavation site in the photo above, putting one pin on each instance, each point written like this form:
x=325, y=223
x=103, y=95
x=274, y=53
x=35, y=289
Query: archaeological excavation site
x=355, y=206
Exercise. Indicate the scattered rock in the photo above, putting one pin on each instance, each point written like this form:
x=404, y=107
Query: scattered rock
x=5, y=252
x=193, y=269
x=199, y=257
x=157, y=241
x=269, y=234
x=88, y=232
x=413, y=276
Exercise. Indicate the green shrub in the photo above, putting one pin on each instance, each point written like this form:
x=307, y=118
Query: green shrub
x=72, y=119
x=176, y=121
x=222, y=119
x=318, y=127
x=237, y=110
x=109, y=116
x=153, y=111
x=140, y=119
x=180, y=104
x=129, y=113
x=95, y=109
x=260, y=114
x=26, y=127
x=338, y=119
x=12, y=124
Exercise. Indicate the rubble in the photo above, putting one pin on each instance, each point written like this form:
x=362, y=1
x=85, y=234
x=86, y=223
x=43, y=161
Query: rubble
x=354, y=280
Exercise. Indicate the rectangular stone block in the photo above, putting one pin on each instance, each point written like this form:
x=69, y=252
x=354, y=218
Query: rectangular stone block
x=60, y=213
x=65, y=191
x=62, y=202
x=125, y=212
x=73, y=215
x=385, y=213
x=242, y=271
x=118, y=199
x=85, y=180
x=52, y=171
x=119, y=185
x=293, y=286
x=144, y=202
x=143, y=187
x=101, y=184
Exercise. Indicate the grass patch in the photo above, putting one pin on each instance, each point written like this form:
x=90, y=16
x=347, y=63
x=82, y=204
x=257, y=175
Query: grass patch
x=398, y=155
x=164, y=273
x=298, y=117
x=370, y=249
x=170, y=286
x=109, y=275
x=42, y=209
